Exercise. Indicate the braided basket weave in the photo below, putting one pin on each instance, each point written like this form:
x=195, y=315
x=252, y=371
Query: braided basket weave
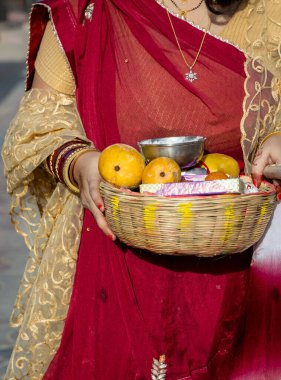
x=198, y=225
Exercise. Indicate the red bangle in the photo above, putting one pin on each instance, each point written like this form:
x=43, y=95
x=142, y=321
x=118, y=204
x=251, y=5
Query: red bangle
x=52, y=162
x=54, y=155
x=60, y=157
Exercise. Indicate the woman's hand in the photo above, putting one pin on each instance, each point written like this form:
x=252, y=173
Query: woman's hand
x=87, y=176
x=269, y=153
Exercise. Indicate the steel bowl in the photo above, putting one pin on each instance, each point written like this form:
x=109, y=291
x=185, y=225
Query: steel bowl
x=185, y=150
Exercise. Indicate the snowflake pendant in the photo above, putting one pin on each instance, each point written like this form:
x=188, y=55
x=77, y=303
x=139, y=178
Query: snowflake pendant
x=191, y=76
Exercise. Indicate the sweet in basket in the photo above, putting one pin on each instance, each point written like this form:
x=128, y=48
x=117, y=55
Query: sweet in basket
x=191, y=217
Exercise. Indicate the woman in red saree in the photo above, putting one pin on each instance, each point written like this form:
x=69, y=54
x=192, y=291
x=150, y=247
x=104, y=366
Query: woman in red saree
x=127, y=306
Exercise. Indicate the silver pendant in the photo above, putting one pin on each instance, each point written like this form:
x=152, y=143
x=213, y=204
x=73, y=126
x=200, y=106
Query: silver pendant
x=89, y=11
x=191, y=76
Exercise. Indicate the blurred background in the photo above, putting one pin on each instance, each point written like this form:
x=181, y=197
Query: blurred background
x=13, y=253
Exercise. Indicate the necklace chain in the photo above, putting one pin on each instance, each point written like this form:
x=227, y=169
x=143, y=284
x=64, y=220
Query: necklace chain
x=184, y=12
x=191, y=76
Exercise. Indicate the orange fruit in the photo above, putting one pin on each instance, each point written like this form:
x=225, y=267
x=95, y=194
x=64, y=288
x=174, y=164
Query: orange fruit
x=161, y=170
x=216, y=175
x=121, y=165
x=217, y=162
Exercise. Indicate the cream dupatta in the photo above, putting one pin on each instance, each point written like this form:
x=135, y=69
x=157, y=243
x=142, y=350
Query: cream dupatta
x=40, y=207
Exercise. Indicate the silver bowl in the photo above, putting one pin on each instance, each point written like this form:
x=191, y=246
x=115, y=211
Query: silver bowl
x=185, y=150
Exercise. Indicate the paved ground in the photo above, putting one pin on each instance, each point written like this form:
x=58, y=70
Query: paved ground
x=13, y=253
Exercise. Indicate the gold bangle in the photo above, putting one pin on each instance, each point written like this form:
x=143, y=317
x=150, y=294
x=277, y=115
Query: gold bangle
x=276, y=133
x=65, y=171
x=64, y=151
x=51, y=164
x=73, y=162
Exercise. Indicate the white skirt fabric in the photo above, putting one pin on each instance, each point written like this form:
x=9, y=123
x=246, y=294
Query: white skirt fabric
x=259, y=356
x=268, y=250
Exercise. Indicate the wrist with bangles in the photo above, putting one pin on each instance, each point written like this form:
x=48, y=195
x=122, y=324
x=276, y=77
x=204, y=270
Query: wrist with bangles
x=60, y=163
x=51, y=161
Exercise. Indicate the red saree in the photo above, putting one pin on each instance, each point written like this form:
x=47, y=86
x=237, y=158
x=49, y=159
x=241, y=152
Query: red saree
x=129, y=306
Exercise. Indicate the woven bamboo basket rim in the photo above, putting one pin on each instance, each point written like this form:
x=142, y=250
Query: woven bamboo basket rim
x=267, y=190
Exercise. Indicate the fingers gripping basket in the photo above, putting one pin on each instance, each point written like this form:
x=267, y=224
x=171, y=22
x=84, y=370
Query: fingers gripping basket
x=201, y=226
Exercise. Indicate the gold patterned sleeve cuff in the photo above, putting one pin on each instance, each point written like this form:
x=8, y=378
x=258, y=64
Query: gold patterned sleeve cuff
x=52, y=65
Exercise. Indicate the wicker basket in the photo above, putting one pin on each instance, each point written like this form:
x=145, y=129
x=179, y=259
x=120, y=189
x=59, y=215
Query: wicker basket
x=197, y=225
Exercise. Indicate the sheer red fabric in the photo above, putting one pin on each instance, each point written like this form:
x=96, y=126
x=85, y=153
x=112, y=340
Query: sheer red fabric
x=129, y=306
x=130, y=43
